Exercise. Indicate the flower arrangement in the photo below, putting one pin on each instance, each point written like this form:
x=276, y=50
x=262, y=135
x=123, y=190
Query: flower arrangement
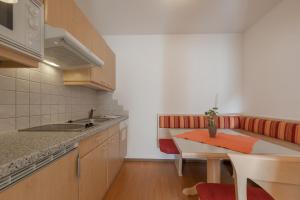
x=212, y=115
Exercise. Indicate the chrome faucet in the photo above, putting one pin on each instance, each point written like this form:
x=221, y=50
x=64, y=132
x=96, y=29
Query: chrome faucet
x=91, y=113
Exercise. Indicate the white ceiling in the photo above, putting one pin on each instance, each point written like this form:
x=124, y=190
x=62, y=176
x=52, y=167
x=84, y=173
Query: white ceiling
x=174, y=16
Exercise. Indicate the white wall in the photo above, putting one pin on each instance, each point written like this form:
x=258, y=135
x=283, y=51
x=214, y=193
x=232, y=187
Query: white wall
x=272, y=63
x=174, y=74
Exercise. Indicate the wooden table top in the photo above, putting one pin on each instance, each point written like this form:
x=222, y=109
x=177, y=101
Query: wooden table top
x=191, y=149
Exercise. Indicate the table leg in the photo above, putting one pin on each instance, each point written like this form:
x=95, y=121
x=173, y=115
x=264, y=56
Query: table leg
x=178, y=164
x=213, y=171
x=213, y=176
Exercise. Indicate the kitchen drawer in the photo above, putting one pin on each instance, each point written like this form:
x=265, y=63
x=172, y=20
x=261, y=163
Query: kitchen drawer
x=90, y=143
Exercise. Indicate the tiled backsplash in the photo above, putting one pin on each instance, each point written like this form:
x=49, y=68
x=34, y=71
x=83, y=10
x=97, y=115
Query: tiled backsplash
x=32, y=97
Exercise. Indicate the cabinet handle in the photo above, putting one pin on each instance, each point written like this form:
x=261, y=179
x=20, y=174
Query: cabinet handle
x=78, y=166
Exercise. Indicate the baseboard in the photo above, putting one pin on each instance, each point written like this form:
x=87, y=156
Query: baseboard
x=148, y=160
x=162, y=160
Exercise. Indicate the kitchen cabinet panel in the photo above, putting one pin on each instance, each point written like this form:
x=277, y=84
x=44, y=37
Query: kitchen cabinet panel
x=101, y=156
x=57, y=181
x=90, y=143
x=12, y=59
x=114, y=160
x=123, y=142
x=93, y=174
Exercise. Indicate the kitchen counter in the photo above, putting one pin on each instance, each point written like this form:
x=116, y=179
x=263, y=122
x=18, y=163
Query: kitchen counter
x=21, y=149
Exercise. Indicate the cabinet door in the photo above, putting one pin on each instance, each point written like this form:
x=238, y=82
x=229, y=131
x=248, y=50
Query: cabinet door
x=102, y=75
x=59, y=13
x=106, y=75
x=123, y=143
x=57, y=181
x=114, y=158
x=93, y=174
x=80, y=27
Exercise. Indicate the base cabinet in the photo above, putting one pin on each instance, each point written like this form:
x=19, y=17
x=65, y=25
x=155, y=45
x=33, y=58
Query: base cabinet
x=57, y=181
x=100, y=159
x=123, y=141
x=93, y=174
x=114, y=160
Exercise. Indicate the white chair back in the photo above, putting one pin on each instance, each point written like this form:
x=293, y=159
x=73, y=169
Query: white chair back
x=277, y=175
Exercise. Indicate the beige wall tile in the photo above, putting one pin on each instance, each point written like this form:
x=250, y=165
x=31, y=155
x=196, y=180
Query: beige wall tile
x=31, y=97
x=7, y=111
x=7, y=83
x=22, y=85
x=54, y=118
x=45, y=110
x=35, y=98
x=46, y=119
x=54, y=99
x=34, y=76
x=45, y=99
x=54, y=109
x=45, y=88
x=22, y=110
x=35, y=121
x=22, y=98
x=23, y=73
x=35, y=87
x=11, y=72
x=22, y=123
x=7, y=97
x=62, y=118
x=35, y=110
x=61, y=109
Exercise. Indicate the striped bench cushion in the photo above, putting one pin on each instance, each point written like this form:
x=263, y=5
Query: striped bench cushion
x=278, y=129
x=197, y=121
x=282, y=130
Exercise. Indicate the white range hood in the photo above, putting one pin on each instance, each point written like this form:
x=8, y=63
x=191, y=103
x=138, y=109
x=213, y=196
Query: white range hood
x=65, y=51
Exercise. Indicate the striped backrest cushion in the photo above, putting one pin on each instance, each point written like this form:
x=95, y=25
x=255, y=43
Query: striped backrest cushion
x=197, y=121
x=182, y=121
x=278, y=129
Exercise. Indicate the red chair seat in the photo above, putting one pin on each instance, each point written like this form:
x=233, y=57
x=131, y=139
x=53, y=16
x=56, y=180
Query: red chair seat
x=168, y=146
x=212, y=191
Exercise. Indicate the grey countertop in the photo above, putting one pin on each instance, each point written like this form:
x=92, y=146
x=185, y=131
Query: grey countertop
x=21, y=149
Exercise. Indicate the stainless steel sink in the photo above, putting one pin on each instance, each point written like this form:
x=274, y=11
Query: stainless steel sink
x=107, y=117
x=58, y=127
x=96, y=120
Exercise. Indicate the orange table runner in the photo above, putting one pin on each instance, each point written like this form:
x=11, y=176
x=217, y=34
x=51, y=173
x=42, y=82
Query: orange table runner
x=240, y=143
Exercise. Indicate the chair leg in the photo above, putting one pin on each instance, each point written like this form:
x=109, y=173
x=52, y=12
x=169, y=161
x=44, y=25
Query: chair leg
x=178, y=164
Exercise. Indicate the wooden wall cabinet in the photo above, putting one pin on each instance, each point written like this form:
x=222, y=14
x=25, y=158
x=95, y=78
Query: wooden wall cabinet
x=57, y=181
x=67, y=15
x=10, y=58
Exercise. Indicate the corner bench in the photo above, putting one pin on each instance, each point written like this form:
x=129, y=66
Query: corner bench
x=281, y=131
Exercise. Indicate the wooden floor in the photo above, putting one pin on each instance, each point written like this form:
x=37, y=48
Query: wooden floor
x=157, y=181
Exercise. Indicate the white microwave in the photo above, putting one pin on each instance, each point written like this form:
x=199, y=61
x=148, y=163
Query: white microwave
x=22, y=27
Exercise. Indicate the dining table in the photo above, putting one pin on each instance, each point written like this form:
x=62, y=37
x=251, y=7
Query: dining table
x=214, y=155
